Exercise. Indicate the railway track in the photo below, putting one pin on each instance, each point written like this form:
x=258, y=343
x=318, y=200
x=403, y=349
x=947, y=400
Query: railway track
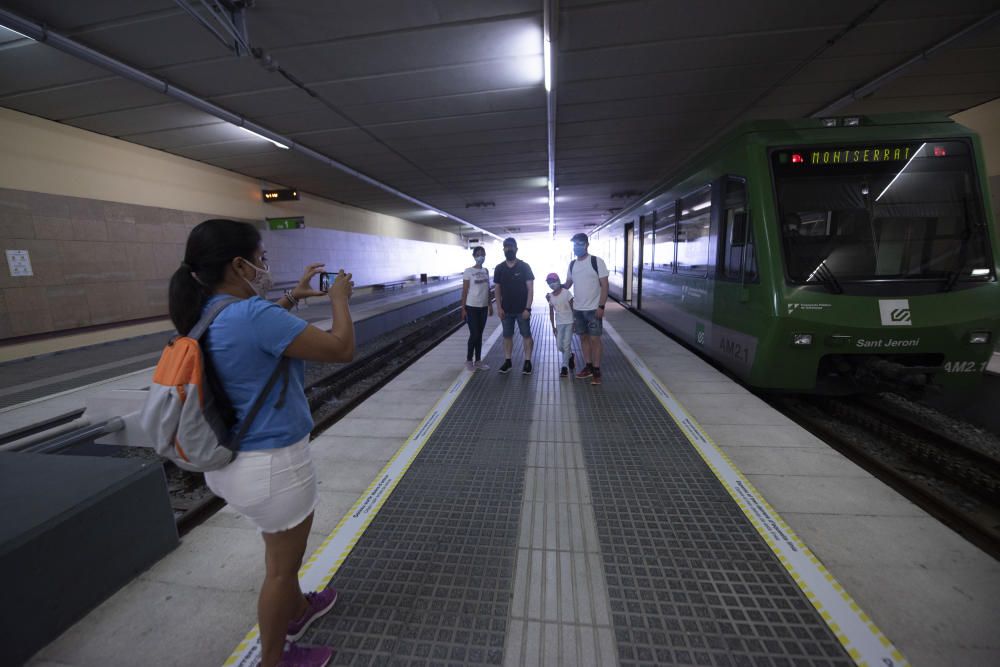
x=949, y=469
x=344, y=387
x=332, y=390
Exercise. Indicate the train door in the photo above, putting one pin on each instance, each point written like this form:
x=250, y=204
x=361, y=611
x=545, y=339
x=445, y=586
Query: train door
x=637, y=251
x=737, y=314
x=627, y=277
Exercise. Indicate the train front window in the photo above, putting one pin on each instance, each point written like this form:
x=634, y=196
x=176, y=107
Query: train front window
x=881, y=212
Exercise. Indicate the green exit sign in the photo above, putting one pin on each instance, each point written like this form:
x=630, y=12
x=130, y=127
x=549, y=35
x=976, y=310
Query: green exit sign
x=286, y=223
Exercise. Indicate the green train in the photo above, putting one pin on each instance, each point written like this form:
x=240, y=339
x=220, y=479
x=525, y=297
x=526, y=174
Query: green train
x=835, y=255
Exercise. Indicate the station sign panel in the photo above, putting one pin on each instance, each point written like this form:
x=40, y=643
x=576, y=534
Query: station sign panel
x=275, y=224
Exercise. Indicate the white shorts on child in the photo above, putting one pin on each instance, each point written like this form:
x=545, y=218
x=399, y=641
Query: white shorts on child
x=274, y=488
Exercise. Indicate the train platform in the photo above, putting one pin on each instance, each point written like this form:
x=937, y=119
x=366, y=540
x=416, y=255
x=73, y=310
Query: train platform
x=667, y=516
x=47, y=368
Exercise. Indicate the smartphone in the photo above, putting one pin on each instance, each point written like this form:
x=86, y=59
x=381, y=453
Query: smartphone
x=325, y=280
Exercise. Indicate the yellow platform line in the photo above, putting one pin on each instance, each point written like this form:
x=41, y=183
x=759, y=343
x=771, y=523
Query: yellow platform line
x=323, y=564
x=860, y=637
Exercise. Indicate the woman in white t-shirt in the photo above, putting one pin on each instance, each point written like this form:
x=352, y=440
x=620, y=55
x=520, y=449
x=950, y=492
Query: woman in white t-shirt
x=476, y=307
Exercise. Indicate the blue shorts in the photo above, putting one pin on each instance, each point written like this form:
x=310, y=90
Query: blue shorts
x=586, y=323
x=522, y=324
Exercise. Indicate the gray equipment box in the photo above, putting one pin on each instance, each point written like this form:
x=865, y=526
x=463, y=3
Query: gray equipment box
x=73, y=530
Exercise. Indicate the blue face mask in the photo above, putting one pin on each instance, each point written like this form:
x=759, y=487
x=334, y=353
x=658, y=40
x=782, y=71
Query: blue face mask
x=554, y=286
x=479, y=258
x=579, y=249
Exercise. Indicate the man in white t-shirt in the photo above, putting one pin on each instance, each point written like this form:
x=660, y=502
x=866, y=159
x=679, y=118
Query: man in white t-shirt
x=588, y=276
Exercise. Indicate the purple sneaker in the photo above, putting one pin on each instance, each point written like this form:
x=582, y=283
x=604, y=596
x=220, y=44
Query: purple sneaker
x=305, y=656
x=319, y=603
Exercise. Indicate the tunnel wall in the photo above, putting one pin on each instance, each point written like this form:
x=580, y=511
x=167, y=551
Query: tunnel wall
x=105, y=222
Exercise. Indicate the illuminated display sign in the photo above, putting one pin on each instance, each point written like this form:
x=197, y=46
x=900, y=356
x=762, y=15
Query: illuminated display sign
x=851, y=155
x=832, y=156
x=280, y=195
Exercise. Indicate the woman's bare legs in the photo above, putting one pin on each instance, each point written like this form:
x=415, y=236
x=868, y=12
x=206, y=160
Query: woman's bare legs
x=281, y=600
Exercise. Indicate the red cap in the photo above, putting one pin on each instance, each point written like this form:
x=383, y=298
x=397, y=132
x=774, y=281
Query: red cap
x=552, y=278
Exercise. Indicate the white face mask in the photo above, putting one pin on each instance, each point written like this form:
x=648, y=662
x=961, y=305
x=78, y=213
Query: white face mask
x=262, y=281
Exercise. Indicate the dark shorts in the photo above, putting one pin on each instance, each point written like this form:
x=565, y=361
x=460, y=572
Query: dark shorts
x=585, y=323
x=522, y=324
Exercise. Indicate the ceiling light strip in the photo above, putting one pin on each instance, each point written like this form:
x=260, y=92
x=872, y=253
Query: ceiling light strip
x=40, y=33
x=550, y=29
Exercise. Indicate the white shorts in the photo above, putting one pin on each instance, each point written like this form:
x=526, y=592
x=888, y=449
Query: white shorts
x=274, y=488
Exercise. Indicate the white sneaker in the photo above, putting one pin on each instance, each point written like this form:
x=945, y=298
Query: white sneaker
x=482, y=366
x=469, y=366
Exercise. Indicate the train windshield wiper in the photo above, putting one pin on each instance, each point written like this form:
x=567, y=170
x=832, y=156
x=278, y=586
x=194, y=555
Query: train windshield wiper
x=824, y=275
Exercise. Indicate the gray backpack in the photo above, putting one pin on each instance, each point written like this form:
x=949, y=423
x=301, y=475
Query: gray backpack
x=182, y=415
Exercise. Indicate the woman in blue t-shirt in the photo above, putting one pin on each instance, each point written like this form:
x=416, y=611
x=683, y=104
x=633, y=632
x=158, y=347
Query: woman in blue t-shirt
x=272, y=480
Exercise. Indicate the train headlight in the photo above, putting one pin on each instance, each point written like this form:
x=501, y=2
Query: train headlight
x=802, y=340
x=979, y=338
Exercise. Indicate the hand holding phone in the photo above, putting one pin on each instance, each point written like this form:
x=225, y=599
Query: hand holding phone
x=338, y=285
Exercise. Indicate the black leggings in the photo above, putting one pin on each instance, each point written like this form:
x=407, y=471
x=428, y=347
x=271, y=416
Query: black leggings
x=476, y=318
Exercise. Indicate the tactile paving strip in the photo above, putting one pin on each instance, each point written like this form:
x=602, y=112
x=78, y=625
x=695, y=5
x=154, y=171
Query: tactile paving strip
x=690, y=581
x=430, y=582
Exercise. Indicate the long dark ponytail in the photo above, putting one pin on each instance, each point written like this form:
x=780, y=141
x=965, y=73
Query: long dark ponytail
x=211, y=246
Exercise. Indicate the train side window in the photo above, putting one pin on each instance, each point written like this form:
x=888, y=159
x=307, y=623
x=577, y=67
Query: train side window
x=737, y=237
x=664, y=229
x=648, y=248
x=693, y=237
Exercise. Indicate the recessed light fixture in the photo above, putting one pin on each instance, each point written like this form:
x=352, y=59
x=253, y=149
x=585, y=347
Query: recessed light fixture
x=261, y=136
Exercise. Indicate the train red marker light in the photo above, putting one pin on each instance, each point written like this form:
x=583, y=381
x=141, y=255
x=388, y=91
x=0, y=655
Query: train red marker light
x=797, y=158
x=939, y=151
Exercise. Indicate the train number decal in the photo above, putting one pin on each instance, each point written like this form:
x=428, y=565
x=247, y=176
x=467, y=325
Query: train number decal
x=965, y=366
x=735, y=350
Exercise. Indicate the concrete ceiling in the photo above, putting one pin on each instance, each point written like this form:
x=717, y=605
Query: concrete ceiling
x=443, y=99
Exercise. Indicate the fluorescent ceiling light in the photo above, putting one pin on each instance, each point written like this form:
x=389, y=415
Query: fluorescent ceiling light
x=19, y=34
x=547, y=58
x=901, y=170
x=261, y=136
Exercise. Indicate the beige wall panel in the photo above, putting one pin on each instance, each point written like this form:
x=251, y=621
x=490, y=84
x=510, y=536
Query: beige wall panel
x=985, y=120
x=43, y=156
x=105, y=223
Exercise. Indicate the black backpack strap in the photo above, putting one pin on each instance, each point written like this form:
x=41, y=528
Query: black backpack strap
x=569, y=271
x=281, y=371
x=593, y=263
x=209, y=316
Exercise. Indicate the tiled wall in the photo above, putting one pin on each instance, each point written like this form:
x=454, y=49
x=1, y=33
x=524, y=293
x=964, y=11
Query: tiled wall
x=100, y=262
